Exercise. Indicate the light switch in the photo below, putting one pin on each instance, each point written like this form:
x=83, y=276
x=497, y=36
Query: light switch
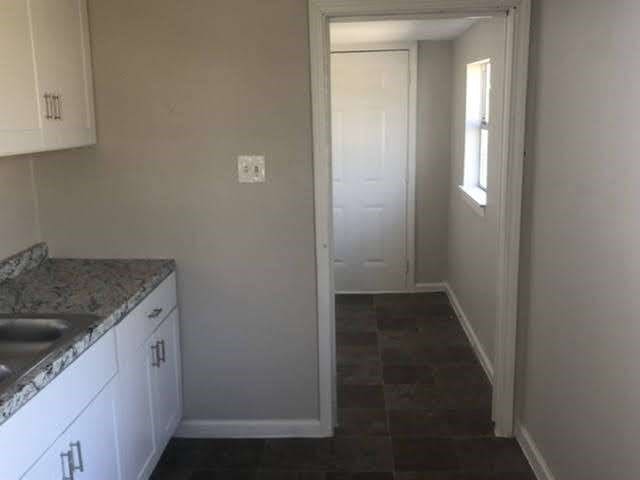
x=251, y=169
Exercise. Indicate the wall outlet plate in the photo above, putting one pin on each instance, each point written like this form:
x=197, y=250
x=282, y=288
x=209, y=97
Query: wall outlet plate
x=251, y=169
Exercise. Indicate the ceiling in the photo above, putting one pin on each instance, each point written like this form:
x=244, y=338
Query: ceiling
x=398, y=30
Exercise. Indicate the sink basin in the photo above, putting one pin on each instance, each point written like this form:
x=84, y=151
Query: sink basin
x=5, y=372
x=28, y=340
x=32, y=330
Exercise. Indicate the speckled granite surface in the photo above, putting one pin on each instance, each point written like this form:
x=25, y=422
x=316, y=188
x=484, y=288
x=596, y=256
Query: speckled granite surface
x=22, y=261
x=109, y=289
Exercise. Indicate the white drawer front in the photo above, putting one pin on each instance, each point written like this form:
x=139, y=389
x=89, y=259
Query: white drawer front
x=138, y=326
x=36, y=426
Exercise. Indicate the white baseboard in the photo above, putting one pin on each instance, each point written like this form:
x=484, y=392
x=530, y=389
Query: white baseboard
x=431, y=287
x=484, y=359
x=251, y=429
x=535, y=458
x=417, y=288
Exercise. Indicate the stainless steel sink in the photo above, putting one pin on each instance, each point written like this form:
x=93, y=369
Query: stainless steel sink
x=29, y=340
x=32, y=330
x=5, y=372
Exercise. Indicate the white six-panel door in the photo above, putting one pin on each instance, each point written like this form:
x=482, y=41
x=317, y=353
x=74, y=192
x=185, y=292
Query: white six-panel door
x=370, y=112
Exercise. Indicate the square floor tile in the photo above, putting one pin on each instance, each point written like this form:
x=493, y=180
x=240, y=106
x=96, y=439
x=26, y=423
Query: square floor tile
x=425, y=454
x=362, y=373
x=362, y=422
x=361, y=396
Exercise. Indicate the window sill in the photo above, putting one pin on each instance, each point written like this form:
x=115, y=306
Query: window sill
x=475, y=197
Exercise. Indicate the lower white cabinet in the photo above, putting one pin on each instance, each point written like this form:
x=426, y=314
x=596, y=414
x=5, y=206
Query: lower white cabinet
x=149, y=397
x=167, y=392
x=148, y=384
x=110, y=414
x=87, y=449
x=136, y=431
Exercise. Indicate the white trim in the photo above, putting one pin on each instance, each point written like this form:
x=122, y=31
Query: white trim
x=250, y=429
x=412, y=155
x=475, y=197
x=417, y=288
x=538, y=464
x=430, y=287
x=320, y=12
x=483, y=358
x=412, y=162
x=509, y=215
x=321, y=105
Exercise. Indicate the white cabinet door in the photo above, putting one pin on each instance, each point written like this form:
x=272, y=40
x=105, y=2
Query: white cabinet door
x=167, y=398
x=19, y=115
x=370, y=111
x=55, y=463
x=134, y=407
x=92, y=439
x=62, y=55
x=87, y=449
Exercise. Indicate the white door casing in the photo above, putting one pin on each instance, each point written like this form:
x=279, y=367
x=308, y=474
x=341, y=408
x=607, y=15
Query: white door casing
x=370, y=111
x=321, y=12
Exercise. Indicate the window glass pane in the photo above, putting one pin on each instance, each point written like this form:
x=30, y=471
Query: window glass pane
x=484, y=157
x=487, y=91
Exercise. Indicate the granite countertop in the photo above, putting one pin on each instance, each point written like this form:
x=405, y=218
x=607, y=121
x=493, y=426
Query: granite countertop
x=31, y=282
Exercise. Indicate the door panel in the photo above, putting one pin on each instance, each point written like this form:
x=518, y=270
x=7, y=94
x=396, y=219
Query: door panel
x=167, y=395
x=19, y=115
x=136, y=432
x=90, y=441
x=61, y=50
x=370, y=108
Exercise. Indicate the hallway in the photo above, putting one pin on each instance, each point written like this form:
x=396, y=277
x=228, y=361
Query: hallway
x=414, y=404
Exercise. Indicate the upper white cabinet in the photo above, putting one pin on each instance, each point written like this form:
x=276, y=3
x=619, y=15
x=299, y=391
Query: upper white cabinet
x=46, y=85
x=20, y=123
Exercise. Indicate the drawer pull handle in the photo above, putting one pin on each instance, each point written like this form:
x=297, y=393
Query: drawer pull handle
x=163, y=353
x=155, y=313
x=47, y=104
x=70, y=467
x=57, y=108
x=155, y=355
x=80, y=465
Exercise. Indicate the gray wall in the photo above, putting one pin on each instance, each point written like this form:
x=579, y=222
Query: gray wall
x=433, y=158
x=180, y=92
x=161, y=182
x=581, y=269
x=472, y=254
x=18, y=211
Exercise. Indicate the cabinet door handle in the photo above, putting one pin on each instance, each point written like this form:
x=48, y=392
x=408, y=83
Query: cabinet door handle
x=47, y=104
x=163, y=353
x=80, y=465
x=69, y=462
x=155, y=313
x=155, y=358
x=57, y=111
x=54, y=116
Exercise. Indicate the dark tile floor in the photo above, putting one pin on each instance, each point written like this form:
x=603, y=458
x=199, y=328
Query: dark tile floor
x=414, y=404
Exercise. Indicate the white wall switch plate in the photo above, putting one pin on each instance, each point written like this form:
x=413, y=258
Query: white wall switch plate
x=251, y=169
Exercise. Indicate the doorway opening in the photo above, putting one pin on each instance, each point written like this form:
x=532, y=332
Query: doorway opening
x=379, y=157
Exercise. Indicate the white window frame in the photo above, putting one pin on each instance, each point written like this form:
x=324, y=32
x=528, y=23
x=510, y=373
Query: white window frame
x=477, y=111
x=485, y=112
